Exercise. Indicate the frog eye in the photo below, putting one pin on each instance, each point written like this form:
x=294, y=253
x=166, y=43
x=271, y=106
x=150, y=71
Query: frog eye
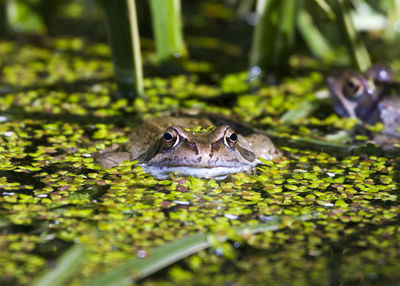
x=353, y=87
x=230, y=138
x=171, y=138
x=233, y=137
x=168, y=136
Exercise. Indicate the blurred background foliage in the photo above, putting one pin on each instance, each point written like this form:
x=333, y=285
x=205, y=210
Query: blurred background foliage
x=264, y=34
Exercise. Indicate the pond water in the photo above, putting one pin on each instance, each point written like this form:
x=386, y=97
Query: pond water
x=58, y=107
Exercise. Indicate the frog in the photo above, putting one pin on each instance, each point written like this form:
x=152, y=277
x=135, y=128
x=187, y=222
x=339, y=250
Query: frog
x=192, y=146
x=367, y=96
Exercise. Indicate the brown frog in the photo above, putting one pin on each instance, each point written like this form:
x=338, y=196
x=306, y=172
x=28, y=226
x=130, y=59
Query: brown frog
x=367, y=96
x=171, y=145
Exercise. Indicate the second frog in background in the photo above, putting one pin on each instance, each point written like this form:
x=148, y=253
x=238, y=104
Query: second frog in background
x=367, y=96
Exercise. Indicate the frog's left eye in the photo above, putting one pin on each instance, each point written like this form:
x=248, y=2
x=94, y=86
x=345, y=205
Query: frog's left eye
x=353, y=87
x=233, y=137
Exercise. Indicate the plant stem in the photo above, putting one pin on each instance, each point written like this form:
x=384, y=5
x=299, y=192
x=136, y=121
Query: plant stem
x=167, y=27
x=393, y=16
x=356, y=45
x=3, y=18
x=136, y=46
x=124, y=41
x=66, y=266
x=48, y=12
x=244, y=8
x=274, y=35
x=315, y=41
x=169, y=253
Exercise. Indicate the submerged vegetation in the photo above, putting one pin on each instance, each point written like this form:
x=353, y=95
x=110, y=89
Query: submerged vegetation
x=325, y=213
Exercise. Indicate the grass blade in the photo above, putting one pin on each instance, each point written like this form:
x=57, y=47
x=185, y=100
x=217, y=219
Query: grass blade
x=274, y=36
x=393, y=16
x=66, y=266
x=123, y=37
x=305, y=108
x=137, y=56
x=356, y=45
x=324, y=6
x=3, y=18
x=244, y=8
x=165, y=255
x=167, y=27
x=315, y=41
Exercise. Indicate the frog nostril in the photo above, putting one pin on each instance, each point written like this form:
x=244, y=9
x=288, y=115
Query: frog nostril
x=193, y=146
x=215, y=146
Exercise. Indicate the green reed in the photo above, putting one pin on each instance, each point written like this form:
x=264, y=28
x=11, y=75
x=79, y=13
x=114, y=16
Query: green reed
x=274, y=35
x=167, y=27
x=124, y=41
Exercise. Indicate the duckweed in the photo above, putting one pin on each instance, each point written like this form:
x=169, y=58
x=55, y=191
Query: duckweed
x=53, y=194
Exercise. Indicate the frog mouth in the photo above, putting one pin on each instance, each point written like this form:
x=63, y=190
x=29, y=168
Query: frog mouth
x=216, y=172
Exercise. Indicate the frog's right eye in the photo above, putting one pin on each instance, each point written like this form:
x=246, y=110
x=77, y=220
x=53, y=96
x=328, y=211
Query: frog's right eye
x=171, y=138
x=230, y=138
x=353, y=88
x=233, y=137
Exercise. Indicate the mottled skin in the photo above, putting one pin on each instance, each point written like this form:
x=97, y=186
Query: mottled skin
x=367, y=96
x=163, y=146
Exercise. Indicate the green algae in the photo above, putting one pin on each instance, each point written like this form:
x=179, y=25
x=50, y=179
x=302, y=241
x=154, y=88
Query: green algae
x=51, y=189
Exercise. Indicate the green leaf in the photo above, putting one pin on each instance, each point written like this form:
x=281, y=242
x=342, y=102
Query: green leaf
x=167, y=27
x=165, y=255
x=324, y=6
x=274, y=35
x=158, y=259
x=302, y=111
x=315, y=41
x=356, y=45
x=66, y=266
